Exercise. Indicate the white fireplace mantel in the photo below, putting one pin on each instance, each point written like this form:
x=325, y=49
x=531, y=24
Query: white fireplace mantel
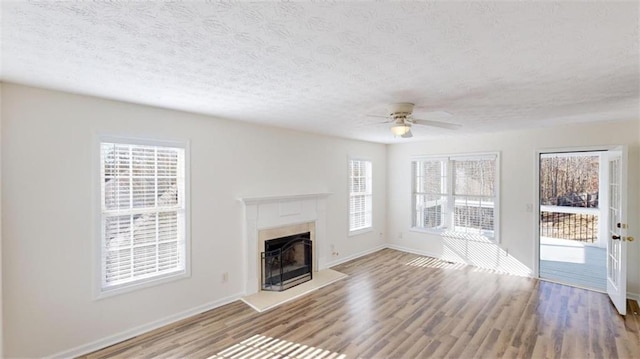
x=267, y=212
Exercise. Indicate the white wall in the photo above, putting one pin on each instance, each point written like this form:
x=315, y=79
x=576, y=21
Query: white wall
x=48, y=220
x=1, y=271
x=516, y=252
x=48, y=212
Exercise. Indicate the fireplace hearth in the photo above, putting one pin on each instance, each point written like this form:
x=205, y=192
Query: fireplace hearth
x=287, y=262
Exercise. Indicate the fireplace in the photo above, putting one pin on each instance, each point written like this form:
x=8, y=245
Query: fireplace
x=273, y=217
x=286, y=262
x=286, y=256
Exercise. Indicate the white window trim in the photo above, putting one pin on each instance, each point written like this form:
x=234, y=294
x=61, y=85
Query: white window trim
x=459, y=156
x=363, y=230
x=98, y=291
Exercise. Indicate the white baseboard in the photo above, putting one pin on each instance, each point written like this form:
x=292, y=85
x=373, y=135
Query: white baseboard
x=353, y=256
x=634, y=296
x=130, y=333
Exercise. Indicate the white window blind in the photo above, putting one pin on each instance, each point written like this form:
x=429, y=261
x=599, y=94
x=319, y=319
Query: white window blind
x=474, y=195
x=456, y=194
x=143, y=213
x=430, y=193
x=360, y=195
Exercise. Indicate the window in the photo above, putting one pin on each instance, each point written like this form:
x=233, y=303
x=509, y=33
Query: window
x=143, y=219
x=455, y=194
x=360, y=195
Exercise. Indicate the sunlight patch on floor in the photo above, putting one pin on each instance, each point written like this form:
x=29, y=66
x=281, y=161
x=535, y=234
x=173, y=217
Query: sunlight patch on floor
x=431, y=262
x=261, y=347
x=434, y=263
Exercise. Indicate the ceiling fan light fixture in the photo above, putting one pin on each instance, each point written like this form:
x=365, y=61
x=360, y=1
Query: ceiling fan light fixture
x=400, y=129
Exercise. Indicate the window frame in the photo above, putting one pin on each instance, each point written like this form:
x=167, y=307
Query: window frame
x=369, y=177
x=100, y=292
x=450, y=195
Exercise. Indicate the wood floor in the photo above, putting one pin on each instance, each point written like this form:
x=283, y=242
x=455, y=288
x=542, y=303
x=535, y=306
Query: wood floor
x=399, y=305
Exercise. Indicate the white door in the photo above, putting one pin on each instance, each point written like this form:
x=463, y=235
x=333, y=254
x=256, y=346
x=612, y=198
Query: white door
x=617, y=230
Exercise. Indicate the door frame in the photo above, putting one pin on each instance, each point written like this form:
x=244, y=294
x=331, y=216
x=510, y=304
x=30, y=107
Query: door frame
x=536, y=193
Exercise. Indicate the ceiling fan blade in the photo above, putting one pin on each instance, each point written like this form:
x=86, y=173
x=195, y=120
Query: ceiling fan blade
x=435, y=113
x=386, y=121
x=447, y=125
x=407, y=135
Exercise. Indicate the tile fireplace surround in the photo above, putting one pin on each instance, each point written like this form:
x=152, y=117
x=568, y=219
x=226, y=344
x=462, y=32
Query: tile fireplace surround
x=271, y=217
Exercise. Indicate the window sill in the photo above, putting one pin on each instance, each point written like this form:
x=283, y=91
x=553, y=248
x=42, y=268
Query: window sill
x=126, y=288
x=360, y=231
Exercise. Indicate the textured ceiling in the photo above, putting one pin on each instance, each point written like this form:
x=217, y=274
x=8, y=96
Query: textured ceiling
x=320, y=67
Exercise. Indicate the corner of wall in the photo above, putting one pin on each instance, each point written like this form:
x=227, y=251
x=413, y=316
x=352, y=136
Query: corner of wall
x=387, y=201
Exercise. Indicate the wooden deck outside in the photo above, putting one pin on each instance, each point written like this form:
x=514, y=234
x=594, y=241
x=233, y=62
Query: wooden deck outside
x=574, y=263
x=389, y=307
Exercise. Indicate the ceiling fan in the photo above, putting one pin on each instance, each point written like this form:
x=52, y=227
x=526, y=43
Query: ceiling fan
x=401, y=118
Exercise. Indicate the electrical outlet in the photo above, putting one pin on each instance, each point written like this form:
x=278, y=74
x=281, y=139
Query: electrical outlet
x=334, y=253
x=225, y=277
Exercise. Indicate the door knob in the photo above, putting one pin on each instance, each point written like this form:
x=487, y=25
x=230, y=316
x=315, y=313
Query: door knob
x=615, y=237
x=630, y=239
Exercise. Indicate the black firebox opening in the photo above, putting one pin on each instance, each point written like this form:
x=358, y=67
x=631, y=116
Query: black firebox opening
x=286, y=262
